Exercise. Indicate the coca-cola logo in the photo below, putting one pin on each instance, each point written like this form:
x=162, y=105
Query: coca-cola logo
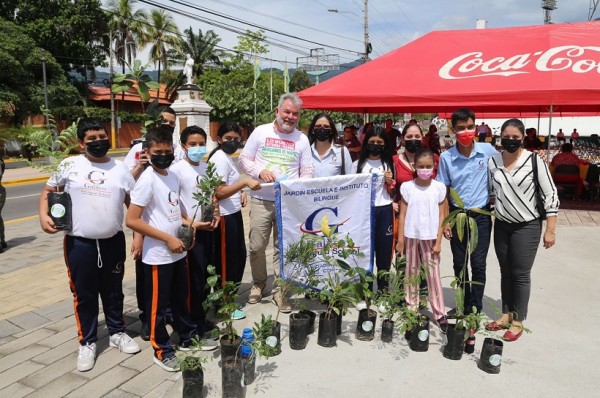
x=576, y=59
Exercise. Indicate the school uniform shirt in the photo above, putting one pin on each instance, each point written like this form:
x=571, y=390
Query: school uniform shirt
x=97, y=192
x=230, y=175
x=159, y=196
x=189, y=177
x=285, y=155
x=382, y=197
x=423, y=212
x=515, y=190
x=331, y=163
x=468, y=176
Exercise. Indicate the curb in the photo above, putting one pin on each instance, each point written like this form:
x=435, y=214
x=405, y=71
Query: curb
x=25, y=181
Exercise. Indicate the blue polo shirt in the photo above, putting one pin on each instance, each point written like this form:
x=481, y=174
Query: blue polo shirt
x=331, y=163
x=468, y=176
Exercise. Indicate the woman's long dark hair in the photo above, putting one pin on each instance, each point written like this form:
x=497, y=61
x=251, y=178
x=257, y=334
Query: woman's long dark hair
x=225, y=127
x=311, y=135
x=386, y=155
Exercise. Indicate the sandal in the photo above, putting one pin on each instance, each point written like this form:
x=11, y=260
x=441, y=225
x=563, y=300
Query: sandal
x=495, y=326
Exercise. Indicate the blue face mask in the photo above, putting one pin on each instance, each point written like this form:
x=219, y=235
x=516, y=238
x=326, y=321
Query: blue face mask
x=195, y=153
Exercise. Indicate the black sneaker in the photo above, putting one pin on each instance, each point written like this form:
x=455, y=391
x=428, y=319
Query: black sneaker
x=144, y=329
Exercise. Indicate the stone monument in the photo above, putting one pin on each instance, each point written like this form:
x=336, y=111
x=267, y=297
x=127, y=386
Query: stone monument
x=190, y=106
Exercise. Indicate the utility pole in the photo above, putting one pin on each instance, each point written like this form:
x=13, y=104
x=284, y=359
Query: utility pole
x=366, y=26
x=113, y=134
x=46, y=89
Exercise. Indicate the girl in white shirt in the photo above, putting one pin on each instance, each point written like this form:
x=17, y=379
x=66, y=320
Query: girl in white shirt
x=376, y=158
x=420, y=233
x=230, y=255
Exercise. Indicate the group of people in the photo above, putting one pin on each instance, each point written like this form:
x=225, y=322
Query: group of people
x=157, y=186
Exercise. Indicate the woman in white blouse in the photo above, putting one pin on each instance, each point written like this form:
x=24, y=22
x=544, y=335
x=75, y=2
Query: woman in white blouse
x=518, y=223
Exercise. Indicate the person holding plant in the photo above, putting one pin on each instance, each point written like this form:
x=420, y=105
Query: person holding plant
x=376, y=158
x=189, y=171
x=420, y=233
x=518, y=225
x=230, y=255
x=275, y=151
x=328, y=158
x=94, y=247
x=156, y=214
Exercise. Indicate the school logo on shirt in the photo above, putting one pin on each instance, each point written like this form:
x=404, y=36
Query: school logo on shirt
x=481, y=165
x=96, y=177
x=173, y=198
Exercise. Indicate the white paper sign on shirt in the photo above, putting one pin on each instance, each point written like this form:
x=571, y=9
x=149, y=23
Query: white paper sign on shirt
x=346, y=201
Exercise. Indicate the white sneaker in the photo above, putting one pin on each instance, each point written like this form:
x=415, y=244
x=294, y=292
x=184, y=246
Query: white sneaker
x=86, y=357
x=170, y=364
x=124, y=343
x=361, y=305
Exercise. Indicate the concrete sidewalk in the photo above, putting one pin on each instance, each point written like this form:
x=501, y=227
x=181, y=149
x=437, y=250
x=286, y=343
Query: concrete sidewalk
x=559, y=359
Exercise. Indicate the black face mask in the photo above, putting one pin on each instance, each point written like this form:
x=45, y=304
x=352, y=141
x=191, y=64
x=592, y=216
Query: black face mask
x=97, y=149
x=413, y=146
x=168, y=128
x=322, y=134
x=229, y=147
x=162, y=161
x=375, y=149
x=511, y=145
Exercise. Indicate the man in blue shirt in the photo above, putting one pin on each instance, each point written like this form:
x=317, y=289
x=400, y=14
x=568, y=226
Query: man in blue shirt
x=464, y=167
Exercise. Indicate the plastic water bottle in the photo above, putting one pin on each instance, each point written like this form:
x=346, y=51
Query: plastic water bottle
x=247, y=340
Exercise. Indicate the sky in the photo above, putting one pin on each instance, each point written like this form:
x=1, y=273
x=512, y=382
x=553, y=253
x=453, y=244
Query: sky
x=391, y=23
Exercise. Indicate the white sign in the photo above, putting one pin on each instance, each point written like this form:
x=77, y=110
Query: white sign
x=345, y=201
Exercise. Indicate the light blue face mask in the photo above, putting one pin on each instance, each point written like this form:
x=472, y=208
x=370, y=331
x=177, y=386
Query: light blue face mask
x=195, y=153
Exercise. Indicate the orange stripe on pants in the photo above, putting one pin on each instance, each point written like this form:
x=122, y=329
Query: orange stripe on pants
x=154, y=308
x=72, y=286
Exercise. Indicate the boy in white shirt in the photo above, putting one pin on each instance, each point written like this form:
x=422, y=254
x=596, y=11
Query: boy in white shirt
x=155, y=213
x=94, y=247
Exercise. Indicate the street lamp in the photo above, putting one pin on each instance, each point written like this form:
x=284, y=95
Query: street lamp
x=368, y=47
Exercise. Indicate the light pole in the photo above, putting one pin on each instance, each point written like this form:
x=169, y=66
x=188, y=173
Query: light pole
x=367, y=48
x=113, y=133
x=45, y=87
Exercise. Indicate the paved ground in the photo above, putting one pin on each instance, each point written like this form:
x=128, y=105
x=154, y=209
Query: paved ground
x=559, y=359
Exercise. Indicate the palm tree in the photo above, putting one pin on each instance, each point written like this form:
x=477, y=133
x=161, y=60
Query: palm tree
x=202, y=49
x=127, y=26
x=161, y=32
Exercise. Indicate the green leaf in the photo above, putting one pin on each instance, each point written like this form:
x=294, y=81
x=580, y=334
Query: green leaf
x=449, y=220
x=461, y=220
x=474, y=234
x=153, y=85
x=456, y=198
x=212, y=280
x=481, y=211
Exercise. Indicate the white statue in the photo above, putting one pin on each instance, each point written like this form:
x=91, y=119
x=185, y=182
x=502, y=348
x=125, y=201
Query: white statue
x=188, y=68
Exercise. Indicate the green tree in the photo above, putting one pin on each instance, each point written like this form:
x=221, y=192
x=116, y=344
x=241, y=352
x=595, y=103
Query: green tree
x=250, y=44
x=21, y=79
x=161, y=33
x=127, y=25
x=202, y=48
x=300, y=80
x=69, y=30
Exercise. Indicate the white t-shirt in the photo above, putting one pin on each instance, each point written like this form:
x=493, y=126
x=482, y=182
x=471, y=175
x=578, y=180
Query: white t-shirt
x=286, y=155
x=230, y=174
x=131, y=161
x=189, y=176
x=382, y=197
x=159, y=196
x=423, y=212
x=97, y=192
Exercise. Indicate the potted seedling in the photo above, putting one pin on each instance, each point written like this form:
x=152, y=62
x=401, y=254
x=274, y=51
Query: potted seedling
x=205, y=201
x=192, y=369
x=205, y=196
x=367, y=318
x=390, y=299
x=55, y=147
x=262, y=345
x=465, y=325
x=299, y=263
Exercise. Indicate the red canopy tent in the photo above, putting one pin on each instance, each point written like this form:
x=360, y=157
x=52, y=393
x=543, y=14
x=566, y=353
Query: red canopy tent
x=523, y=69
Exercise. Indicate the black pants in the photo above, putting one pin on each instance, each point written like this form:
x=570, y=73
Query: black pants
x=516, y=245
x=199, y=257
x=231, y=247
x=94, y=272
x=167, y=283
x=473, y=291
x=384, y=240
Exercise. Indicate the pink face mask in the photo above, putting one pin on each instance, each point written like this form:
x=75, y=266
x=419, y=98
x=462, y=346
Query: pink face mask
x=466, y=137
x=424, y=174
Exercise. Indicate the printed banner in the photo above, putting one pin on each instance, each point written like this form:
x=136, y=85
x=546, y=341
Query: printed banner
x=345, y=201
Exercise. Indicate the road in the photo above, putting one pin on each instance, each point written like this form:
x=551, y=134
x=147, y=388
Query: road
x=21, y=201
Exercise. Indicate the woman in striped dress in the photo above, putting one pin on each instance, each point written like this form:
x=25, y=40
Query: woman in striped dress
x=518, y=224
